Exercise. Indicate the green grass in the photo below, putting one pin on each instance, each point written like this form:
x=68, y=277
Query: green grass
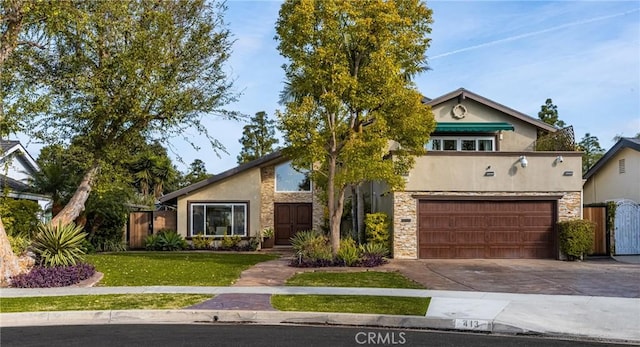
x=173, y=268
x=101, y=302
x=352, y=304
x=373, y=279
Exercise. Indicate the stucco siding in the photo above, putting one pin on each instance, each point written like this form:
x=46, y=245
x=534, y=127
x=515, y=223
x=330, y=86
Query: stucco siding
x=609, y=184
x=464, y=171
x=242, y=187
x=521, y=139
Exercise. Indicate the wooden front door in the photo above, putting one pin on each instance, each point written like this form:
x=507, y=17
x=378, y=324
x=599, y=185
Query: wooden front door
x=289, y=219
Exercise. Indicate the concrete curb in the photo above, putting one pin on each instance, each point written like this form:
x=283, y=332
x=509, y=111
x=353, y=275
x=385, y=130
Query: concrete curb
x=227, y=316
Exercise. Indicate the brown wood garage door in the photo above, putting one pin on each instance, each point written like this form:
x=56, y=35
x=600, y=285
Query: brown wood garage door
x=486, y=229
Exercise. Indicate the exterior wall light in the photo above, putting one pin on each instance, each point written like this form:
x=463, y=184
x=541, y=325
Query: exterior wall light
x=559, y=159
x=523, y=161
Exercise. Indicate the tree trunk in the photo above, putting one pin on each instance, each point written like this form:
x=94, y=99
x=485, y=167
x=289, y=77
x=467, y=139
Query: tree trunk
x=8, y=261
x=334, y=217
x=360, y=213
x=354, y=213
x=75, y=206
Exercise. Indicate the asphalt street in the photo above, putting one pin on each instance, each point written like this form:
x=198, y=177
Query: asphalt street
x=158, y=335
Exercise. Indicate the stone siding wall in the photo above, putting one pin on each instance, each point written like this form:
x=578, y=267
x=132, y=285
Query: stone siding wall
x=405, y=234
x=269, y=197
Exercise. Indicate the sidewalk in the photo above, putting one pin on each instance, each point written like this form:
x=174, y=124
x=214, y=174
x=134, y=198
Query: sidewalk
x=553, y=315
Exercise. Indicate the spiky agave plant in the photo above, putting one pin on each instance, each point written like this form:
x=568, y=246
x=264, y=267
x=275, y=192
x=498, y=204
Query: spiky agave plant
x=59, y=245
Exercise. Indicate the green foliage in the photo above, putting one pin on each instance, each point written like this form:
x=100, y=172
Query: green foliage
x=349, y=82
x=549, y=114
x=254, y=243
x=20, y=217
x=576, y=237
x=197, y=172
x=267, y=233
x=312, y=247
x=165, y=240
x=152, y=171
x=377, y=229
x=19, y=243
x=58, y=245
x=258, y=138
x=348, y=254
x=374, y=250
x=106, y=215
x=592, y=151
x=230, y=241
x=201, y=242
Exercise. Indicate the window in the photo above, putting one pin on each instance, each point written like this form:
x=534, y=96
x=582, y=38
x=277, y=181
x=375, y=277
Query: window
x=479, y=144
x=218, y=219
x=289, y=179
x=621, y=166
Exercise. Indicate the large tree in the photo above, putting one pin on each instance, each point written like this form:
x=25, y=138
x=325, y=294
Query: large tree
x=590, y=145
x=22, y=25
x=549, y=114
x=258, y=138
x=350, y=69
x=118, y=71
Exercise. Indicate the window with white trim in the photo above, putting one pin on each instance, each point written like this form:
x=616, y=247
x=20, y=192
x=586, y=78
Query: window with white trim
x=463, y=143
x=218, y=219
x=289, y=179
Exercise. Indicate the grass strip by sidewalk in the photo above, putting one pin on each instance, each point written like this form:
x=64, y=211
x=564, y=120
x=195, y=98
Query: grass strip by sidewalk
x=173, y=268
x=352, y=303
x=101, y=302
x=392, y=305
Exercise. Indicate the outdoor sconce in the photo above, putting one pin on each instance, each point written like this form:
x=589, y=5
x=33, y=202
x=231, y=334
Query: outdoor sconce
x=559, y=159
x=523, y=161
x=567, y=173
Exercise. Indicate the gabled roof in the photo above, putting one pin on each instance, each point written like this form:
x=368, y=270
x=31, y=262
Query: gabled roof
x=219, y=177
x=625, y=142
x=11, y=146
x=13, y=184
x=462, y=94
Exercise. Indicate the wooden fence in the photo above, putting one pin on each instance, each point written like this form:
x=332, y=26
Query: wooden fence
x=598, y=215
x=143, y=224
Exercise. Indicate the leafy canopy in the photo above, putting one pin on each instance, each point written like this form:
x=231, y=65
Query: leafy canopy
x=258, y=138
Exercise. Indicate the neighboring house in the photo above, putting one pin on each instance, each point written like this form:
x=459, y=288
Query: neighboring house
x=482, y=191
x=616, y=177
x=265, y=192
x=17, y=166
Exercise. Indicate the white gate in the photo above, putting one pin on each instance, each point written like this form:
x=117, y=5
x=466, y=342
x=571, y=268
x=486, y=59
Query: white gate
x=627, y=227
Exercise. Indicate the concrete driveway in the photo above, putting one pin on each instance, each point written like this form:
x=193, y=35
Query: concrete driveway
x=599, y=277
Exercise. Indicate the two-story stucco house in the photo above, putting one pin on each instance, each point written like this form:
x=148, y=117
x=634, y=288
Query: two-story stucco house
x=481, y=191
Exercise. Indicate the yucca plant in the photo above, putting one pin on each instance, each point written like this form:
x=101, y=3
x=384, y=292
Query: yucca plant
x=60, y=245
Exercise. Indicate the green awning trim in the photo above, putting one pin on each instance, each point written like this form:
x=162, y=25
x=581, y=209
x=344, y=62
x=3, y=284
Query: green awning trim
x=466, y=127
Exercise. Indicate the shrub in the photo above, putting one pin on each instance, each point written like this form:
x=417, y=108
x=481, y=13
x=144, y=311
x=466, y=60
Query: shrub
x=19, y=244
x=377, y=228
x=165, y=240
x=576, y=237
x=230, y=242
x=58, y=245
x=112, y=246
x=56, y=276
x=201, y=242
x=312, y=249
x=373, y=254
x=348, y=254
x=20, y=217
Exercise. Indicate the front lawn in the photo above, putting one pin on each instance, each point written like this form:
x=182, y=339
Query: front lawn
x=101, y=302
x=352, y=303
x=370, y=279
x=173, y=268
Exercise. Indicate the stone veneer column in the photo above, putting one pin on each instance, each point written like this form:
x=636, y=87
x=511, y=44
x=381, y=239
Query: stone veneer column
x=405, y=234
x=267, y=189
x=570, y=206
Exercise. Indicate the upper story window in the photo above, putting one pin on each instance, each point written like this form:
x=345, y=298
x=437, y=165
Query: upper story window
x=289, y=179
x=467, y=143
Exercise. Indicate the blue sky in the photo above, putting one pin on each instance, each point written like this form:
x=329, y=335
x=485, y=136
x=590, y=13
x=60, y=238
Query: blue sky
x=585, y=55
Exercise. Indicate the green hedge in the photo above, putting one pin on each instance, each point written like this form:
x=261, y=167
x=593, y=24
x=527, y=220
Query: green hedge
x=576, y=237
